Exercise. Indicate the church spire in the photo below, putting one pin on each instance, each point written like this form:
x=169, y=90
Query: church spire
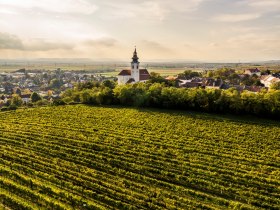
x=135, y=57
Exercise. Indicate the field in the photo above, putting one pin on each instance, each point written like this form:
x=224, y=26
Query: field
x=53, y=66
x=81, y=157
x=108, y=70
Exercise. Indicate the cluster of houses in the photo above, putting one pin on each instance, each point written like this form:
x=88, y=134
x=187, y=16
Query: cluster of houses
x=48, y=84
x=136, y=74
x=216, y=84
x=208, y=82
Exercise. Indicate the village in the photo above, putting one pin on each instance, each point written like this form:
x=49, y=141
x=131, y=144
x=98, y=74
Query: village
x=251, y=79
x=25, y=87
x=47, y=84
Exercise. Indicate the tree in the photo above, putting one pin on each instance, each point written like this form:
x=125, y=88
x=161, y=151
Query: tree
x=188, y=74
x=234, y=78
x=108, y=83
x=16, y=100
x=87, y=85
x=275, y=86
x=18, y=91
x=35, y=97
x=56, y=83
x=156, y=78
x=210, y=74
x=124, y=94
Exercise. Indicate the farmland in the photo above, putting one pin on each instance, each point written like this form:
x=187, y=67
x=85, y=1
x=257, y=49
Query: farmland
x=82, y=157
x=104, y=69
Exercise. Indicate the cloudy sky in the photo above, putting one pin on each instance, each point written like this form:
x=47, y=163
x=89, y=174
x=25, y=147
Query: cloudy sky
x=203, y=30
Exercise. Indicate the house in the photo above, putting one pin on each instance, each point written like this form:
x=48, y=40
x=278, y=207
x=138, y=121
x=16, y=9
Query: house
x=277, y=75
x=268, y=80
x=191, y=83
x=135, y=74
x=171, y=78
x=251, y=72
x=253, y=88
x=212, y=83
x=26, y=98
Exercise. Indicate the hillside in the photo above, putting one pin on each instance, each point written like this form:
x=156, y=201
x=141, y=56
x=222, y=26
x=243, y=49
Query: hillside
x=82, y=157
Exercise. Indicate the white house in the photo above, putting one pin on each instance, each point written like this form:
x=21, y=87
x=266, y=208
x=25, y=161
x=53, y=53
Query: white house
x=268, y=80
x=251, y=72
x=135, y=74
x=26, y=99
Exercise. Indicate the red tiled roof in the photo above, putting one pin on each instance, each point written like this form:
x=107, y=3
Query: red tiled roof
x=192, y=84
x=171, y=78
x=275, y=80
x=253, y=70
x=144, y=74
x=253, y=88
x=26, y=96
x=125, y=72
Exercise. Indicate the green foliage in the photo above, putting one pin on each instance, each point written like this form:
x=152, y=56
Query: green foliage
x=58, y=102
x=221, y=73
x=275, y=86
x=16, y=100
x=8, y=108
x=42, y=102
x=132, y=95
x=87, y=85
x=95, y=96
x=13, y=107
x=56, y=83
x=84, y=157
x=156, y=78
x=188, y=74
x=4, y=108
x=160, y=95
x=108, y=83
x=35, y=97
x=251, y=80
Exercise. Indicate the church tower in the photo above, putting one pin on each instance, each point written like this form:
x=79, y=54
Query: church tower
x=135, y=67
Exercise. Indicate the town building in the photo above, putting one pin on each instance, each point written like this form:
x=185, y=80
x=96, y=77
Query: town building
x=251, y=72
x=268, y=80
x=135, y=74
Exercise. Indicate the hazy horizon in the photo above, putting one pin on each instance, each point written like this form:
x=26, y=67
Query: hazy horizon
x=186, y=30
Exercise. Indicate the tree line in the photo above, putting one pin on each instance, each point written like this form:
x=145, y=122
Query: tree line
x=163, y=95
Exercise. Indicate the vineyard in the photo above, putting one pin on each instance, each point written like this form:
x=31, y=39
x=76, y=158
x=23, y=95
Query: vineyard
x=82, y=157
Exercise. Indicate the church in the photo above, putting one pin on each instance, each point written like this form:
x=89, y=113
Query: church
x=135, y=74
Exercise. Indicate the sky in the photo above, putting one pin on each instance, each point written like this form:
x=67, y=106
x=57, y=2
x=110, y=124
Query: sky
x=191, y=30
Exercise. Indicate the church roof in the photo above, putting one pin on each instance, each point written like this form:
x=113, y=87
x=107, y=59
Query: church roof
x=144, y=74
x=125, y=72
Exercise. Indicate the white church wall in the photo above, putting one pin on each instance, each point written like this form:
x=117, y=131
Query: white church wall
x=123, y=79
